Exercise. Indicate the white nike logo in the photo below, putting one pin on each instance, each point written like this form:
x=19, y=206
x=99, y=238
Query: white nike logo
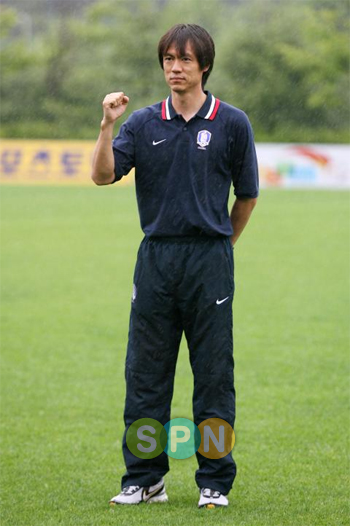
x=222, y=301
x=158, y=142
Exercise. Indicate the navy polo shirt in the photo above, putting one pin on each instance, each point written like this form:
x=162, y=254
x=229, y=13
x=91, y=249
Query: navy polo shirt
x=184, y=170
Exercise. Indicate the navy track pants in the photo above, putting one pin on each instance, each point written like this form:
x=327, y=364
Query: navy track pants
x=181, y=284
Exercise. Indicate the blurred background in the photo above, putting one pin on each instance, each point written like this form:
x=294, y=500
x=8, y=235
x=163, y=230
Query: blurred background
x=68, y=250
x=285, y=63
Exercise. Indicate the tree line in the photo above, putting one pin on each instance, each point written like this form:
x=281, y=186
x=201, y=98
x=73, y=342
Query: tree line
x=286, y=64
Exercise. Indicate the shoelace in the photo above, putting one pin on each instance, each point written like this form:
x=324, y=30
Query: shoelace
x=210, y=493
x=129, y=490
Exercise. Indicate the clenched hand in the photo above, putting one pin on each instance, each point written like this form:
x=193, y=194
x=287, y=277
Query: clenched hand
x=114, y=105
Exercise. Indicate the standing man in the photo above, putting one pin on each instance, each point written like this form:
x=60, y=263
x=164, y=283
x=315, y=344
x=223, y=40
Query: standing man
x=187, y=151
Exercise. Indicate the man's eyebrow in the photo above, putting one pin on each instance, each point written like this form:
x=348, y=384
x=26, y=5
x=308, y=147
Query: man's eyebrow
x=186, y=54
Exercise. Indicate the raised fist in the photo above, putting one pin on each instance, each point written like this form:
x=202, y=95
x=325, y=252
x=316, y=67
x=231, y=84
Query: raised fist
x=114, y=105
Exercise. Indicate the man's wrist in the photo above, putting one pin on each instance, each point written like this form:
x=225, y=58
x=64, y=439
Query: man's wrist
x=107, y=125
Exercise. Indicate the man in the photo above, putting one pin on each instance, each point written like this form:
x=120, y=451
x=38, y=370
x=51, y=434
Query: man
x=186, y=150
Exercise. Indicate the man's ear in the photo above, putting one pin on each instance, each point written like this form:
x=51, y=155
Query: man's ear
x=205, y=69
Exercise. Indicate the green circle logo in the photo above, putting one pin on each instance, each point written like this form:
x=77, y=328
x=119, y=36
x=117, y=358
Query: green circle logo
x=146, y=438
x=184, y=438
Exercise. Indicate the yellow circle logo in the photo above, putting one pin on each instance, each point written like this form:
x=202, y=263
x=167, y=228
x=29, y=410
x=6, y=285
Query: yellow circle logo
x=218, y=438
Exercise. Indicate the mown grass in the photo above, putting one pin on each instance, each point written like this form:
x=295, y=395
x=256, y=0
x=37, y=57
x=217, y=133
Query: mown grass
x=66, y=279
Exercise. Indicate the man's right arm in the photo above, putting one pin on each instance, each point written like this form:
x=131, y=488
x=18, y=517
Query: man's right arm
x=114, y=105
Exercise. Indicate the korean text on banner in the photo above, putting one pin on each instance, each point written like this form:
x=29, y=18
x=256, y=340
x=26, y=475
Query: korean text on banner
x=48, y=162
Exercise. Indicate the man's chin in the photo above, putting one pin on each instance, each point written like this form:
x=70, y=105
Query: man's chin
x=178, y=89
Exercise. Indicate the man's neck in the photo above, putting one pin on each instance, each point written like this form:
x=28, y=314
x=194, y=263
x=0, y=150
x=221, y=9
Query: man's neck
x=189, y=103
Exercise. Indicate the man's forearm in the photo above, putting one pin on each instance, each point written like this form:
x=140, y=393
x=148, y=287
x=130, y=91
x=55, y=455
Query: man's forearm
x=240, y=214
x=103, y=159
x=114, y=105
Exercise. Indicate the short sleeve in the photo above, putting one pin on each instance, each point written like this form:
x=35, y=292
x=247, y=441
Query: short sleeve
x=124, y=150
x=245, y=176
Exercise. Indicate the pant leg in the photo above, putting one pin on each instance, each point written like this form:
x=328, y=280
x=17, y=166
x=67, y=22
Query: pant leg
x=206, y=296
x=154, y=337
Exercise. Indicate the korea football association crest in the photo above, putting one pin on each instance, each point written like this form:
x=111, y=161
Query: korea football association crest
x=203, y=139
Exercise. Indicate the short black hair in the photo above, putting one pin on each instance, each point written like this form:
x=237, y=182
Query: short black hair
x=202, y=43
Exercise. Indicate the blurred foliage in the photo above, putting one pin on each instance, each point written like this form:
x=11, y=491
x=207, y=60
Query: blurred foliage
x=290, y=72
x=285, y=63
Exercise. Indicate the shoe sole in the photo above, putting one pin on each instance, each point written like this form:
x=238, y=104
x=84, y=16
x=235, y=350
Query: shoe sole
x=157, y=499
x=113, y=503
x=211, y=506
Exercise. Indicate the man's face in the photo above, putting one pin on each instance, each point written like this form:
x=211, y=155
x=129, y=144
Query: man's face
x=182, y=73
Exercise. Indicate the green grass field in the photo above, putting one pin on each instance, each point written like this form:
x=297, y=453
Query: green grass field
x=66, y=279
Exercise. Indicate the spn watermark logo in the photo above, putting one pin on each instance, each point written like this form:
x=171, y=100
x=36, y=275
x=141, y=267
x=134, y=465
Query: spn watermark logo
x=180, y=438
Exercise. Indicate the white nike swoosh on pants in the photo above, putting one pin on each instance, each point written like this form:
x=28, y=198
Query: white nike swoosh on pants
x=222, y=301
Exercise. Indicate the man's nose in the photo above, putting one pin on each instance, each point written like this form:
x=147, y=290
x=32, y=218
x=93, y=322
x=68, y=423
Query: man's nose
x=177, y=66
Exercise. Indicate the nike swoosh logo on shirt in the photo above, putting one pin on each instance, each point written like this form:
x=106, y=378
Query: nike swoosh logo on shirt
x=158, y=142
x=222, y=301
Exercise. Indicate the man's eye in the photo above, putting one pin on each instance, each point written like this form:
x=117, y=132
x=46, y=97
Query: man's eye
x=186, y=59
x=167, y=59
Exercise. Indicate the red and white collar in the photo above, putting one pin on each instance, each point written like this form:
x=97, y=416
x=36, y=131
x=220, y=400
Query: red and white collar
x=208, y=111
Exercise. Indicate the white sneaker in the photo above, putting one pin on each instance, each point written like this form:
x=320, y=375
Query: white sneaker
x=137, y=494
x=211, y=498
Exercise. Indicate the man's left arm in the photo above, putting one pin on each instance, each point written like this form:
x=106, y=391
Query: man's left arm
x=240, y=214
x=245, y=177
